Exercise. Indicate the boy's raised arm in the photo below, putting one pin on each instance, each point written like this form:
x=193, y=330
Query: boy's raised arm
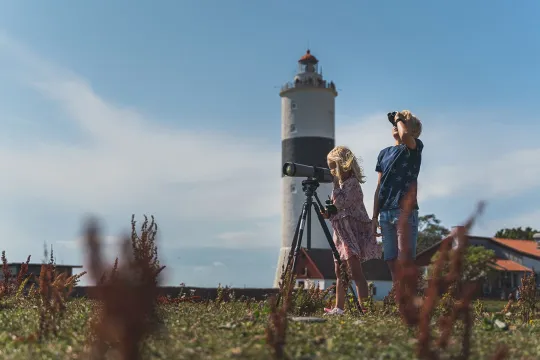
x=404, y=135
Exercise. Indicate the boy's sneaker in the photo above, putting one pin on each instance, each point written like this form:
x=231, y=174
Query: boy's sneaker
x=334, y=311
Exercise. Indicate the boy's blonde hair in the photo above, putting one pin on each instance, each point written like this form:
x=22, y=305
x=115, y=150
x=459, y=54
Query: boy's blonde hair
x=346, y=161
x=414, y=125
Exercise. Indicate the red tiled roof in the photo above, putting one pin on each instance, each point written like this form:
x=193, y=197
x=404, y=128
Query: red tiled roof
x=308, y=58
x=317, y=274
x=510, y=265
x=528, y=247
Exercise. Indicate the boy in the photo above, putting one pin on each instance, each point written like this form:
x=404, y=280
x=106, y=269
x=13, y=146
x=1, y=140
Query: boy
x=398, y=167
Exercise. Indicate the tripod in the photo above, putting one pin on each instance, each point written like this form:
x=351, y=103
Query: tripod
x=309, y=186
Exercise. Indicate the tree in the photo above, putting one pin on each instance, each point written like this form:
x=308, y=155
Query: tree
x=517, y=233
x=478, y=263
x=430, y=232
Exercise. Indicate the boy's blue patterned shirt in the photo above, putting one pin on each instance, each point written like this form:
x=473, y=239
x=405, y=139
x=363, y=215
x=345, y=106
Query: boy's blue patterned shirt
x=400, y=167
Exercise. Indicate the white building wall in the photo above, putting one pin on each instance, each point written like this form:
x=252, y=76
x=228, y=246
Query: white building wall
x=307, y=112
x=12, y=269
x=311, y=115
x=533, y=264
x=382, y=288
x=328, y=283
x=309, y=283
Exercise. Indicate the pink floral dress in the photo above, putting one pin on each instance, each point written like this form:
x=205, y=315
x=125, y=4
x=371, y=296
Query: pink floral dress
x=353, y=234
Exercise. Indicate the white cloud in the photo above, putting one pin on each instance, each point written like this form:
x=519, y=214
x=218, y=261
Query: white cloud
x=202, y=269
x=79, y=243
x=129, y=163
x=262, y=234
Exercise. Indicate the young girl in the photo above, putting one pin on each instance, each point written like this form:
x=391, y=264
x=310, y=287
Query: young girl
x=353, y=232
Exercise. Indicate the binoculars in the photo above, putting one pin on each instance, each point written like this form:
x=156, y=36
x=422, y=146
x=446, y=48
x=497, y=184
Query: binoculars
x=331, y=209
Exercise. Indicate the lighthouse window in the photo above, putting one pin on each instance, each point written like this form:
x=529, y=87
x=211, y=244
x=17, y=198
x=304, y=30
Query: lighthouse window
x=293, y=128
x=293, y=106
x=293, y=189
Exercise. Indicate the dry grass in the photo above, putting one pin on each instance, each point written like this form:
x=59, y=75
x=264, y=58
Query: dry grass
x=128, y=296
x=276, y=330
x=419, y=311
x=51, y=294
x=528, y=300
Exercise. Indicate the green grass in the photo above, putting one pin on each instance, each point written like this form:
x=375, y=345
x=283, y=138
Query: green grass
x=494, y=305
x=491, y=305
x=234, y=331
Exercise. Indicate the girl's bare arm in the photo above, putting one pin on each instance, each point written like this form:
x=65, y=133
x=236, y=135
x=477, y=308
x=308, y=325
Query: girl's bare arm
x=376, y=207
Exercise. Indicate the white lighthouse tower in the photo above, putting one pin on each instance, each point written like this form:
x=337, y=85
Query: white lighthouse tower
x=307, y=136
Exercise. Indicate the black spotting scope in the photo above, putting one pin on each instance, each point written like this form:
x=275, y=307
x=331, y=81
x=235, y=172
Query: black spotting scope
x=320, y=174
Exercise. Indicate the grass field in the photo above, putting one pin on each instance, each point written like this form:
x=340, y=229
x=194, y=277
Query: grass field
x=236, y=330
x=128, y=320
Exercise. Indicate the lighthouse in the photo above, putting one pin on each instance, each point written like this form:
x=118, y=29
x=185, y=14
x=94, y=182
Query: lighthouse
x=307, y=136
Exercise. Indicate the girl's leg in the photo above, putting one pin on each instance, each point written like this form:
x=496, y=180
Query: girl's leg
x=340, y=290
x=355, y=267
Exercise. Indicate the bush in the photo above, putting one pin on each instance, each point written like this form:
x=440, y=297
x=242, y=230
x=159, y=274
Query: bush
x=478, y=263
x=311, y=300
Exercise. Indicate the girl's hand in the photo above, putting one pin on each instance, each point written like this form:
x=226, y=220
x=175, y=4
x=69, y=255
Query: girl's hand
x=376, y=227
x=324, y=214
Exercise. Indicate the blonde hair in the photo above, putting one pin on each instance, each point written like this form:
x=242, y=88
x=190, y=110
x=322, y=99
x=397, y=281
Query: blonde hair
x=414, y=125
x=346, y=161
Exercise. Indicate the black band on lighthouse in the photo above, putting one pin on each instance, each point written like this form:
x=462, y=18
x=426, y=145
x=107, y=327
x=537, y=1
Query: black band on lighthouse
x=306, y=150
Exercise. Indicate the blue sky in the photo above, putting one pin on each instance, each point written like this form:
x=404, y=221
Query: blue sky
x=116, y=107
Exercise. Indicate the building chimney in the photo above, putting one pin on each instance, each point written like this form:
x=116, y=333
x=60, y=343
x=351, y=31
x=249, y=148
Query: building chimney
x=455, y=239
x=536, y=238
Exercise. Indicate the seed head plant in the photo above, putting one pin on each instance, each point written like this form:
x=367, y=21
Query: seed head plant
x=129, y=298
x=528, y=300
x=418, y=312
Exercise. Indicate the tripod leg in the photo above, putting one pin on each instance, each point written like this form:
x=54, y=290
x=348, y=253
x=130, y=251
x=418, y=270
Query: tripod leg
x=308, y=229
x=294, y=251
x=293, y=246
x=335, y=252
x=305, y=210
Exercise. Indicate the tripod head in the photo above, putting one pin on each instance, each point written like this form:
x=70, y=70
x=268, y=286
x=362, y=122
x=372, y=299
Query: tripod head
x=309, y=186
